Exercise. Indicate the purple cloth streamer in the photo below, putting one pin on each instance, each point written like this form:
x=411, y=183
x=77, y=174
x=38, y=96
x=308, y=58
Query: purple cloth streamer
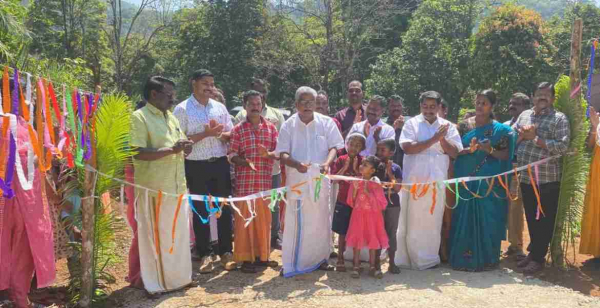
x=6, y=183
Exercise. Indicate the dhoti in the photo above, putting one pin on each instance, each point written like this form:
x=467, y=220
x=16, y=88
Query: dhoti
x=163, y=269
x=419, y=232
x=307, y=233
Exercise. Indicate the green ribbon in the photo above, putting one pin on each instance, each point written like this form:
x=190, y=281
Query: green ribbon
x=318, y=187
x=274, y=199
x=75, y=131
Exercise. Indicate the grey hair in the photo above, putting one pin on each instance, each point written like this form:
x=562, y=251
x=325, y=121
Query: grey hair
x=304, y=90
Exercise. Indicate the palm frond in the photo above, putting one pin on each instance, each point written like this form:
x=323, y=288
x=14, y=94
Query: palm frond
x=574, y=174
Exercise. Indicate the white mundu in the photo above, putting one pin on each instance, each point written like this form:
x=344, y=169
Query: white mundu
x=419, y=232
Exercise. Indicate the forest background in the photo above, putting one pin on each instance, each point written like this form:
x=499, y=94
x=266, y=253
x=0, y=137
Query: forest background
x=403, y=47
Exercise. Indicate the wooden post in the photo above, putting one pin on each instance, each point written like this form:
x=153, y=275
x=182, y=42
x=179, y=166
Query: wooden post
x=575, y=71
x=87, y=241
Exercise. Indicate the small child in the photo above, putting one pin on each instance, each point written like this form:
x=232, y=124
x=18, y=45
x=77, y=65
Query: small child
x=385, y=151
x=347, y=165
x=367, y=228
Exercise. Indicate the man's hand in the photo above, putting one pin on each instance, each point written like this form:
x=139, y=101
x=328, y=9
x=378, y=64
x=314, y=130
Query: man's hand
x=399, y=122
x=358, y=116
x=441, y=132
x=180, y=145
x=324, y=168
x=262, y=151
x=213, y=131
x=528, y=132
x=594, y=118
x=187, y=150
x=376, y=133
x=302, y=168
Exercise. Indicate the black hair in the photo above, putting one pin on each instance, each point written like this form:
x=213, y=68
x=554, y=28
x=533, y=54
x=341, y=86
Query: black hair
x=546, y=85
x=375, y=162
x=201, y=73
x=140, y=104
x=156, y=83
x=523, y=97
x=491, y=97
x=389, y=143
x=260, y=82
x=358, y=135
x=321, y=92
x=248, y=94
x=430, y=95
x=380, y=99
x=397, y=98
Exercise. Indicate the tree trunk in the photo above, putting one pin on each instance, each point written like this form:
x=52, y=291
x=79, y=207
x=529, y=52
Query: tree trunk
x=87, y=241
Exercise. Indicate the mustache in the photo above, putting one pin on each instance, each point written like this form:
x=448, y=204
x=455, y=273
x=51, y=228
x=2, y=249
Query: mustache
x=512, y=108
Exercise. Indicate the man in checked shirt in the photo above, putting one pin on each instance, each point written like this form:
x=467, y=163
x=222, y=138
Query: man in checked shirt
x=543, y=132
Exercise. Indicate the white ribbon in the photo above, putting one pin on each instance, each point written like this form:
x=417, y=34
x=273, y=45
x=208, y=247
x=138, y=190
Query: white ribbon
x=28, y=98
x=26, y=183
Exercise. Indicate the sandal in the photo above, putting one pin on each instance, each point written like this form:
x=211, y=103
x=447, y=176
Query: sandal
x=378, y=274
x=340, y=266
x=394, y=269
x=326, y=267
x=533, y=267
x=355, y=272
x=269, y=263
x=523, y=263
x=248, y=268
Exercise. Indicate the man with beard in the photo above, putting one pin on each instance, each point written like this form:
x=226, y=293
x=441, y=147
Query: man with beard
x=274, y=116
x=355, y=112
x=373, y=128
x=207, y=124
x=518, y=103
x=156, y=135
x=307, y=144
x=428, y=142
x=543, y=133
x=396, y=120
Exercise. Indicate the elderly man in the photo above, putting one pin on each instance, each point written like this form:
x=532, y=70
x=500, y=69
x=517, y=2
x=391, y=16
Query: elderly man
x=274, y=116
x=307, y=145
x=518, y=103
x=373, y=127
x=355, y=112
x=543, y=133
x=323, y=107
x=251, y=141
x=428, y=142
x=207, y=124
x=160, y=143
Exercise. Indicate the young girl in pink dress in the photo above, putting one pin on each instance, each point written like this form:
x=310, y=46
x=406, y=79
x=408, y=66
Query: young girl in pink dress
x=367, y=229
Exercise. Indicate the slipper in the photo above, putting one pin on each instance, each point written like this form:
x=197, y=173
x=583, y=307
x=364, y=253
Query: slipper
x=247, y=268
x=340, y=266
x=270, y=263
x=533, y=267
x=326, y=267
x=394, y=269
x=355, y=272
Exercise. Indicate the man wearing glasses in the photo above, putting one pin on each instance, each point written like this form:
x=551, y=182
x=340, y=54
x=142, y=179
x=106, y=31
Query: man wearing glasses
x=207, y=124
x=355, y=112
x=307, y=144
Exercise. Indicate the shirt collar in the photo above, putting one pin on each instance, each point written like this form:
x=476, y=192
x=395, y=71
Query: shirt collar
x=421, y=118
x=262, y=121
x=547, y=111
x=195, y=101
x=155, y=110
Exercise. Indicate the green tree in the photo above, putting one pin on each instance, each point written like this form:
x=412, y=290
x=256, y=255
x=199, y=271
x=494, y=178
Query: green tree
x=512, y=53
x=434, y=55
x=13, y=33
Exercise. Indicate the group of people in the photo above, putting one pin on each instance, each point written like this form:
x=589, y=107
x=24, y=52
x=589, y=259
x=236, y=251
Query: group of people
x=388, y=198
x=195, y=147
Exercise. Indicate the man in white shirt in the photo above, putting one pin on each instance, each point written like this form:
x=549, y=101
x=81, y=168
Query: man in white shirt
x=373, y=127
x=207, y=123
x=428, y=142
x=307, y=145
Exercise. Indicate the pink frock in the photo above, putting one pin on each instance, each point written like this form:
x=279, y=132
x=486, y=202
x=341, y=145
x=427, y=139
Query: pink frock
x=367, y=229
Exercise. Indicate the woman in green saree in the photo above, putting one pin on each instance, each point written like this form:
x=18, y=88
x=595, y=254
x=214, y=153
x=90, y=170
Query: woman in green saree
x=479, y=223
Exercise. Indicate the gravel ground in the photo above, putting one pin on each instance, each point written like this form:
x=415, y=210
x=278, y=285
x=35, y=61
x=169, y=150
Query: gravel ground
x=440, y=287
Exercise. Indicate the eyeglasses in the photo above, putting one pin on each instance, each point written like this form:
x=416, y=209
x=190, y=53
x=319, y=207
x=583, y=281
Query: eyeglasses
x=306, y=103
x=354, y=91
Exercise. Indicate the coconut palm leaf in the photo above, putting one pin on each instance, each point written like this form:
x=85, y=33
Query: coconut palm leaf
x=574, y=174
x=111, y=131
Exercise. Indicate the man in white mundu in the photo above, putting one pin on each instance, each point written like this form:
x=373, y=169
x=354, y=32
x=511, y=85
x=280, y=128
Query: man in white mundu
x=307, y=145
x=428, y=142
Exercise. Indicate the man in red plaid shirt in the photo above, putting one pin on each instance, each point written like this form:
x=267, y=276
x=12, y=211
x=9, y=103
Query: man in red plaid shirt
x=250, y=150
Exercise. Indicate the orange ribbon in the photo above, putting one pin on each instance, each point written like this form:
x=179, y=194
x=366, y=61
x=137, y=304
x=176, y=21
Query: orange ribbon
x=156, y=221
x=6, y=92
x=434, y=200
x=24, y=109
x=295, y=188
x=180, y=199
x=535, y=190
x=39, y=151
x=472, y=193
x=49, y=123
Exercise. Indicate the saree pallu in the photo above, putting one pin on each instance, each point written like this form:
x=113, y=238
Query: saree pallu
x=479, y=223
x=590, y=225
